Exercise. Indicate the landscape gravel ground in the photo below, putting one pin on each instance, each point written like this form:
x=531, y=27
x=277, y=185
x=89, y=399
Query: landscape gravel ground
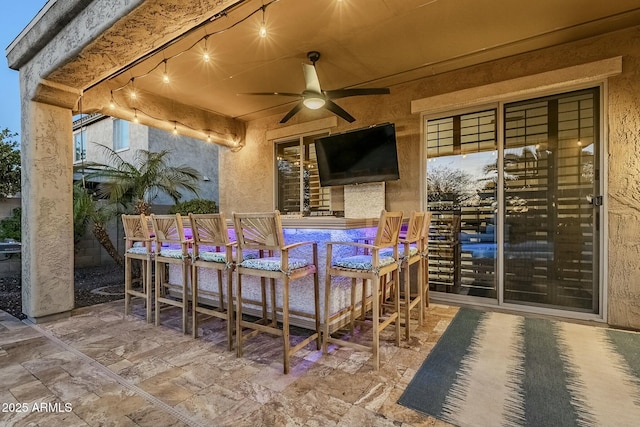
x=92, y=285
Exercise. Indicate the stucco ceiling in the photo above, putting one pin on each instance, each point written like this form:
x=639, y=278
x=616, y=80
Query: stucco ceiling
x=363, y=43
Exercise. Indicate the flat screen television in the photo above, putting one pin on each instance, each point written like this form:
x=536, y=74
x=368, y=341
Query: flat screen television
x=358, y=156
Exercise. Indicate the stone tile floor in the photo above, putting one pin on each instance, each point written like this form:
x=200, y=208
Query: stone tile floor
x=100, y=368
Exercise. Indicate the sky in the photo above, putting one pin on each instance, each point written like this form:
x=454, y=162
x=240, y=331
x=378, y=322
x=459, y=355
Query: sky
x=14, y=16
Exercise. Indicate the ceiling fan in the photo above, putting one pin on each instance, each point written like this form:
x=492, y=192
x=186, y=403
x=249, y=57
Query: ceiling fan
x=313, y=97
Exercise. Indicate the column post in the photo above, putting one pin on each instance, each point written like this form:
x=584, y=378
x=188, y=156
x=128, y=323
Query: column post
x=47, y=201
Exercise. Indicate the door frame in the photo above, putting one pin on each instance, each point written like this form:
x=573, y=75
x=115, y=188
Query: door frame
x=450, y=104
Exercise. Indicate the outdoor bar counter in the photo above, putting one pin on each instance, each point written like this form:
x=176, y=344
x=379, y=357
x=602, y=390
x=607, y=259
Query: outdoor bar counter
x=320, y=229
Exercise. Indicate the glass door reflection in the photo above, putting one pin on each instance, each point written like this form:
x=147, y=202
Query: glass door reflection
x=461, y=194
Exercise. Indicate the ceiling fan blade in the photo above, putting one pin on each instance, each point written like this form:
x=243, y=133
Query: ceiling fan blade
x=311, y=78
x=297, y=95
x=339, y=111
x=292, y=112
x=343, y=93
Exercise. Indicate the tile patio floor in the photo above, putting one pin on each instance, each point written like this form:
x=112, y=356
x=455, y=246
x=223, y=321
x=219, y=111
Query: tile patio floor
x=98, y=368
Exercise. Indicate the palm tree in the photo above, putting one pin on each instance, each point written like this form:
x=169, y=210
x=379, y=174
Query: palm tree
x=86, y=210
x=136, y=184
x=127, y=187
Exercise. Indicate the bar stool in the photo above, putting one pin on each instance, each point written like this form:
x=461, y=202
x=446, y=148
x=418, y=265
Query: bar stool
x=212, y=250
x=138, y=246
x=410, y=248
x=262, y=232
x=171, y=248
x=366, y=268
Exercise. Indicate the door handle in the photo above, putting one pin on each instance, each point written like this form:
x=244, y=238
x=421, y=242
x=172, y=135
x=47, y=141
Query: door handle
x=594, y=200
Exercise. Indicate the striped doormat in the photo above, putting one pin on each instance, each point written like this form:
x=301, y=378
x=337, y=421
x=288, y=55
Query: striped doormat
x=492, y=369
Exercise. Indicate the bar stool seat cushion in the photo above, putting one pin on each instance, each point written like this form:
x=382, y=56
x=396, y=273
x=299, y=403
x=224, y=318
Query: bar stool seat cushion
x=213, y=256
x=138, y=250
x=273, y=263
x=413, y=250
x=362, y=262
x=210, y=254
x=171, y=253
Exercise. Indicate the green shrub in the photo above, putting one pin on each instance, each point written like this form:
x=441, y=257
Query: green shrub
x=10, y=227
x=196, y=206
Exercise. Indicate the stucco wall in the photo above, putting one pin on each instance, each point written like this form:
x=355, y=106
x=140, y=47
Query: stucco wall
x=246, y=177
x=101, y=133
x=623, y=194
x=200, y=155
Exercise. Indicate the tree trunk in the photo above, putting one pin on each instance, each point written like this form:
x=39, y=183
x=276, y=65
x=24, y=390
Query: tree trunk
x=101, y=234
x=142, y=207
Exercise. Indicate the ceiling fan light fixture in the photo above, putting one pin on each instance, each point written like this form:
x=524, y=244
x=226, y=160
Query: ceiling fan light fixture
x=263, y=28
x=313, y=103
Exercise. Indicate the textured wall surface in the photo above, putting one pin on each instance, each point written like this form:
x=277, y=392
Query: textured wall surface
x=246, y=177
x=200, y=155
x=623, y=195
x=47, y=221
x=364, y=200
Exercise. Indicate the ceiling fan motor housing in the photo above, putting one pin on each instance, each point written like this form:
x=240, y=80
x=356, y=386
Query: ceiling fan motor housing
x=313, y=56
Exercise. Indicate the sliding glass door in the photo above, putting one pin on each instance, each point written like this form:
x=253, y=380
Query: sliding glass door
x=523, y=202
x=551, y=181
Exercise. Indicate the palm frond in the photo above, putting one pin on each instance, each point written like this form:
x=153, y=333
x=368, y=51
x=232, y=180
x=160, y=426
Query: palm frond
x=113, y=158
x=143, y=179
